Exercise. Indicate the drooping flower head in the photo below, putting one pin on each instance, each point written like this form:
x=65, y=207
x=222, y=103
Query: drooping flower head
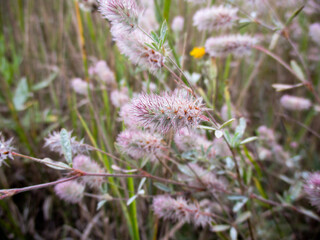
x=138, y=144
x=295, y=103
x=5, y=149
x=238, y=45
x=70, y=191
x=84, y=163
x=123, y=13
x=169, y=111
x=179, y=209
x=214, y=18
x=53, y=141
x=312, y=188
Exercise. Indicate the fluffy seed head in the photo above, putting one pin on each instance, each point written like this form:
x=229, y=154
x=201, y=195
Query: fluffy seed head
x=167, y=112
x=85, y=164
x=119, y=97
x=179, y=209
x=312, y=189
x=238, y=45
x=295, y=103
x=133, y=46
x=138, y=144
x=80, y=86
x=70, y=191
x=215, y=18
x=104, y=73
x=5, y=149
x=123, y=13
x=53, y=142
x=177, y=24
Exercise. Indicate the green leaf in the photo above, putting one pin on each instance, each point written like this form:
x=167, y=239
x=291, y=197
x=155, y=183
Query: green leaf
x=66, y=145
x=21, y=94
x=249, y=139
x=297, y=69
x=243, y=217
x=100, y=204
x=219, y=228
x=227, y=123
x=45, y=83
x=296, y=13
x=241, y=127
x=155, y=37
x=163, y=31
x=143, y=180
x=130, y=200
x=185, y=169
x=162, y=187
x=207, y=128
x=239, y=205
x=55, y=165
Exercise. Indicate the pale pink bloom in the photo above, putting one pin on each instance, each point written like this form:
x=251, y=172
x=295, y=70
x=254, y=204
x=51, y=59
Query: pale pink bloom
x=119, y=97
x=266, y=134
x=177, y=24
x=80, y=86
x=148, y=20
x=314, y=32
x=134, y=46
x=53, y=141
x=138, y=144
x=312, y=189
x=215, y=18
x=5, y=149
x=187, y=140
x=179, y=209
x=125, y=115
x=85, y=164
x=152, y=86
x=70, y=191
x=264, y=153
x=102, y=70
x=123, y=13
x=221, y=148
x=222, y=46
x=295, y=103
x=169, y=111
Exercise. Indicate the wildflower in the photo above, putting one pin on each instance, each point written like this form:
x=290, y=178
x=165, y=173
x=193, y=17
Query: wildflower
x=70, y=191
x=5, y=149
x=80, y=86
x=85, y=164
x=215, y=18
x=104, y=73
x=123, y=13
x=312, y=189
x=295, y=103
x=198, y=52
x=119, y=98
x=239, y=45
x=138, y=144
x=266, y=134
x=314, y=32
x=126, y=116
x=134, y=46
x=180, y=210
x=167, y=112
x=190, y=140
x=177, y=24
x=53, y=141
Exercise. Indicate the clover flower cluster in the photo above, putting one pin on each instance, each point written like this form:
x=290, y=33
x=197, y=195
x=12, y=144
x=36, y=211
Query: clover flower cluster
x=222, y=46
x=139, y=144
x=80, y=86
x=5, y=149
x=125, y=115
x=70, y=191
x=295, y=103
x=215, y=18
x=177, y=24
x=85, y=164
x=132, y=42
x=169, y=111
x=53, y=141
x=179, y=209
x=119, y=97
x=103, y=72
x=191, y=140
x=312, y=189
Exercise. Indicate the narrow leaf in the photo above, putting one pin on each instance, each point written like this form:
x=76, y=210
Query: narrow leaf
x=162, y=187
x=66, y=145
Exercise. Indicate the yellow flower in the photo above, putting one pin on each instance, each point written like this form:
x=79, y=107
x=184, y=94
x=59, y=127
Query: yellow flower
x=198, y=52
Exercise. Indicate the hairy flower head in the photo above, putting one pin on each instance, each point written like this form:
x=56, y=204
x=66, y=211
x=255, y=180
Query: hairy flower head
x=214, y=18
x=177, y=24
x=125, y=115
x=169, y=111
x=179, y=209
x=312, y=189
x=104, y=73
x=295, y=103
x=70, y=191
x=138, y=144
x=5, y=149
x=80, y=86
x=85, y=164
x=238, y=45
x=120, y=97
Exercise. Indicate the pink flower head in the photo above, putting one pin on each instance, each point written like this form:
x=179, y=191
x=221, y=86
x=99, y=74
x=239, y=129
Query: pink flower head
x=215, y=18
x=222, y=46
x=312, y=189
x=138, y=144
x=167, y=112
x=85, y=164
x=177, y=24
x=295, y=103
x=104, y=73
x=70, y=191
x=125, y=115
x=180, y=210
x=80, y=86
x=266, y=134
x=119, y=98
x=123, y=13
